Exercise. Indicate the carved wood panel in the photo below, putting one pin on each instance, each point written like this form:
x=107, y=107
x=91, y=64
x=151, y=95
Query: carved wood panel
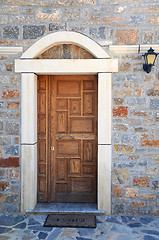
x=67, y=116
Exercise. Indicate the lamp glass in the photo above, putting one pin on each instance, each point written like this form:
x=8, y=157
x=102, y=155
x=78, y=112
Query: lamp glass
x=151, y=58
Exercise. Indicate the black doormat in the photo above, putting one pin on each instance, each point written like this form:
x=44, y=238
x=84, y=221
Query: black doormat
x=70, y=220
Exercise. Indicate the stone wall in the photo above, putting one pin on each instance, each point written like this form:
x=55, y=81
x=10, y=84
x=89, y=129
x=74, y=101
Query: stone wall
x=9, y=136
x=135, y=181
x=135, y=110
x=116, y=22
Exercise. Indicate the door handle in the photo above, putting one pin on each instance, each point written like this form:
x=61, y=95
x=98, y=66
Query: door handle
x=72, y=137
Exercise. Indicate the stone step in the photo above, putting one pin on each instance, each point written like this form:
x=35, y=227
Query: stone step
x=63, y=208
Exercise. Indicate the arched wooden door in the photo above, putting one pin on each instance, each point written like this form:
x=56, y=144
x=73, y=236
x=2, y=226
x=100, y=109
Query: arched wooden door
x=67, y=138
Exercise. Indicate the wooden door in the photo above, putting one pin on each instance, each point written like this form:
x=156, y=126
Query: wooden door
x=67, y=138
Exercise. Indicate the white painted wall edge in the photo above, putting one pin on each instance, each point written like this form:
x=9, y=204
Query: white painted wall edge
x=123, y=49
x=66, y=66
x=145, y=48
x=10, y=50
x=112, y=48
x=119, y=49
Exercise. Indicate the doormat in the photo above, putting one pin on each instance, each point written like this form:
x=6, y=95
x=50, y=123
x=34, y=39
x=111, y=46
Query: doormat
x=70, y=220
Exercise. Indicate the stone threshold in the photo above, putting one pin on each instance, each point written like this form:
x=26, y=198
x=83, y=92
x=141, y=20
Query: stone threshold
x=63, y=208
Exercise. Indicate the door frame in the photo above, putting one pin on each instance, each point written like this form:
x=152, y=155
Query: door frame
x=29, y=67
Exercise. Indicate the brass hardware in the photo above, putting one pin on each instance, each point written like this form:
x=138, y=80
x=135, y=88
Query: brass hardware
x=66, y=136
x=52, y=148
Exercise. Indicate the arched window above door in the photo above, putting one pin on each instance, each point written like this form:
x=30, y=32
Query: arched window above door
x=66, y=51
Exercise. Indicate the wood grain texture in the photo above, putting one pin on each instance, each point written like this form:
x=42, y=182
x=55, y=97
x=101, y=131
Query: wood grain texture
x=67, y=107
x=42, y=139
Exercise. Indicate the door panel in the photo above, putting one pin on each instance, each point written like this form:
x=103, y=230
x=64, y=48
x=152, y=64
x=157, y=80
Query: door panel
x=81, y=125
x=62, y=123
x=68, y=148
x=67, y=121
x=42, y=149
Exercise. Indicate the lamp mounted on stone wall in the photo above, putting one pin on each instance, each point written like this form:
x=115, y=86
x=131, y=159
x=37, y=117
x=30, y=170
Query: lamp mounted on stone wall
x=150, y=58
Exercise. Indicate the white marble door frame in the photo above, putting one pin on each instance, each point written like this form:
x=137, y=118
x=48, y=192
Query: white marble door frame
x=103, y=66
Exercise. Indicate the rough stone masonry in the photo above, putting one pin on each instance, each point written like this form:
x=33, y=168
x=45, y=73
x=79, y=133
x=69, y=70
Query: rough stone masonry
x=135, y=108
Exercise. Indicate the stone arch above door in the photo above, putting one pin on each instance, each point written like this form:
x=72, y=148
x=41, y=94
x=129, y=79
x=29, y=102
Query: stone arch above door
x=29, y=67
x=65, y=37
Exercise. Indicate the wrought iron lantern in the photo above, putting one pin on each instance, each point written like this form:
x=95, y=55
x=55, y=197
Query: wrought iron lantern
x=150, y=58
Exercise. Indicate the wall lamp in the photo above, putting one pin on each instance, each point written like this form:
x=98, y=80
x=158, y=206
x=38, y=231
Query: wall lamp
x=150, y=58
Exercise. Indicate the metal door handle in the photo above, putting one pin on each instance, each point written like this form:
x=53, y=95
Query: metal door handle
x=66, y=136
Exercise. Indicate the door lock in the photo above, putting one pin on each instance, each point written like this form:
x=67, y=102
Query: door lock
x=52, y=148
